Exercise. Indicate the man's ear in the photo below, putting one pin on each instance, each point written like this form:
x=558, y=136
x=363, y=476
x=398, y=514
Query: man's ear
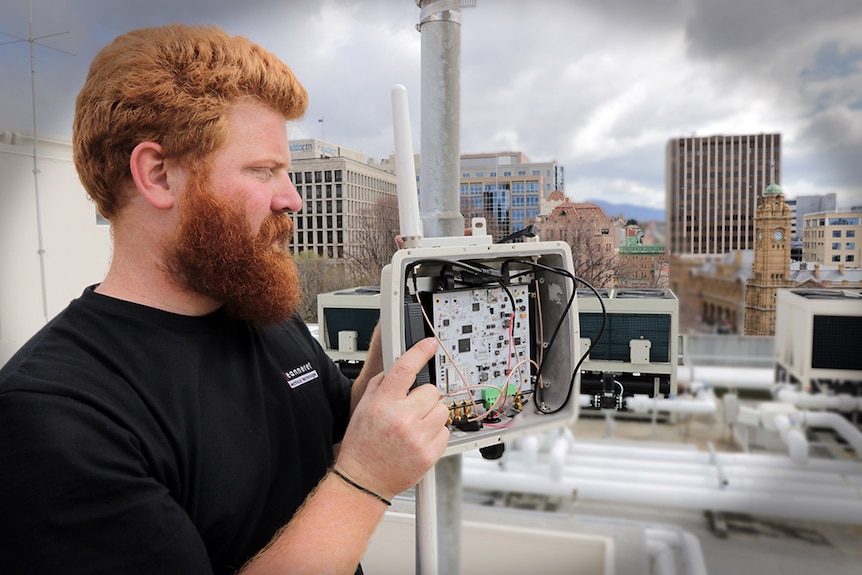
x=150, y=173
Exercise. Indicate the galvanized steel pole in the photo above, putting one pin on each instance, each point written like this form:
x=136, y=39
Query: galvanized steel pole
x=439, y=175
x=439, y=205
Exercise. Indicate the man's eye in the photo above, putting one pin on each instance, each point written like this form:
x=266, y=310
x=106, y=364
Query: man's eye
x=264, y=172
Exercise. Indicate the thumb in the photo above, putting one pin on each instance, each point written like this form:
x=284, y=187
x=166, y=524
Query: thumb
x=403, y=372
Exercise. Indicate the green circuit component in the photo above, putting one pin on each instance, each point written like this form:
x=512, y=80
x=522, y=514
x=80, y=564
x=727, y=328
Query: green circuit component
x=490, y=395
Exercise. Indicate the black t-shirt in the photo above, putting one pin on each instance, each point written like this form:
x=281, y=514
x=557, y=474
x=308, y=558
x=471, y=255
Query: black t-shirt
x=137, y=440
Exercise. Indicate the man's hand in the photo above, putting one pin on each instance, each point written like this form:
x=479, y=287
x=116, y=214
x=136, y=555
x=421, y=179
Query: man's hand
x=393, y=438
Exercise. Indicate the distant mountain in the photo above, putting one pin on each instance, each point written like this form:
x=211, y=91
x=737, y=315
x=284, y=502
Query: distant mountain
x=630, y=211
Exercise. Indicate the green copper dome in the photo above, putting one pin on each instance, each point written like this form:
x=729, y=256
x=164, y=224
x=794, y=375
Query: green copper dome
x=773, y=189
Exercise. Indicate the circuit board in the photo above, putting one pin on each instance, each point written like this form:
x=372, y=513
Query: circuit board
x=486, y=341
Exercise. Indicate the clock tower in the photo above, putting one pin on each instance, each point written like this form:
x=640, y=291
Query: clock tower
x=771, y=267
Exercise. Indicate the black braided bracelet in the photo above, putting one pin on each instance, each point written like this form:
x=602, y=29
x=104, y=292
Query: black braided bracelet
x=360, y=488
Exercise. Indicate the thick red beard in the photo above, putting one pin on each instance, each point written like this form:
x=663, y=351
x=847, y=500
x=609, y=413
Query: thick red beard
x=215, y=254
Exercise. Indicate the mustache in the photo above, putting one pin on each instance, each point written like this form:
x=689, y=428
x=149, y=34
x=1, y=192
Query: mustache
x=276, y=229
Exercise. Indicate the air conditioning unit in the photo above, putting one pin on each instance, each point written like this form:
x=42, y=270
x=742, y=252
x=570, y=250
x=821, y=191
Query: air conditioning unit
x=818, y=338
x=639, y=343
x=346, y=321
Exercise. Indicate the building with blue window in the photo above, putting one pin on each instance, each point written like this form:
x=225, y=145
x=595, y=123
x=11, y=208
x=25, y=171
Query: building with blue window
x=507, y=189
x=833, y=238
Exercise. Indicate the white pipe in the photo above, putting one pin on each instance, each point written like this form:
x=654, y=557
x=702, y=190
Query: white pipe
x=693, y=455
x=746, y=415
x=557, y=458
x=705, y=403
x=796, y=474
x=708, y=479
x=727, y=377
x=841, y=402
x=405, y=169
x=529, y=449
x=806, y=507
x=841, y=426
x=663, y=558
x=793, y=437
x=688, y=544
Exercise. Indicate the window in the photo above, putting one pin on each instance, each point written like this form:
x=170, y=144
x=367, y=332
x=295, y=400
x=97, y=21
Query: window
x=850, y=246
x=507, y=173
x=522, y=172
x=536, y=172
x=836, y=245
x=850, y=234
x=848, y=258
x=836, y=258
x=480, y=174
x=836, y=233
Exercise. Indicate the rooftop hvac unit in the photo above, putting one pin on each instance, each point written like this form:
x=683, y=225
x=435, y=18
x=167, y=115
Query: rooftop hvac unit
x=346, y=321
x=639, y=343
x=818, y=338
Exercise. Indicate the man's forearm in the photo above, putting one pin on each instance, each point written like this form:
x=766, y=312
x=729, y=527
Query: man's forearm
x=329, y=533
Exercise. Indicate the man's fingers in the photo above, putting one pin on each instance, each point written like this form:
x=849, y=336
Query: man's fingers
x=403, y=372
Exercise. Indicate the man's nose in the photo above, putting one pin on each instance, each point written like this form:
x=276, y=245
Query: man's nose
x=286, y=199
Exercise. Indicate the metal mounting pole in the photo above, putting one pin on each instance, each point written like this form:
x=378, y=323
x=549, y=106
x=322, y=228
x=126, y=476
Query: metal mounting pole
x=439, y=176
x=439, y=203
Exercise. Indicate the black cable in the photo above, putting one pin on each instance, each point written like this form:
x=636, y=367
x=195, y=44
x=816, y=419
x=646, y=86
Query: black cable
x=537, y=401
x=583, y=357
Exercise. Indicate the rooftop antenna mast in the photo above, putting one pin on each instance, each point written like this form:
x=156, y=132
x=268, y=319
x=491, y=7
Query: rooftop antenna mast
x=34, y=41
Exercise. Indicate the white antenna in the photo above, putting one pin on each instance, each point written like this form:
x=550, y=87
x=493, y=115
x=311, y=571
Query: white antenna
x=405, y=170
x=33, y=42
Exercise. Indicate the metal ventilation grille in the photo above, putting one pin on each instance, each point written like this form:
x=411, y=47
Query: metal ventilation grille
x=621, y=329
x=835, y=342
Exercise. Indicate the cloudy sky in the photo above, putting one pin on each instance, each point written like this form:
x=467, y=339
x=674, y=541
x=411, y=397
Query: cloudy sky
x=599, y=85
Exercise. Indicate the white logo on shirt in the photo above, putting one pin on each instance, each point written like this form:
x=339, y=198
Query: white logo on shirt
x=300, y=375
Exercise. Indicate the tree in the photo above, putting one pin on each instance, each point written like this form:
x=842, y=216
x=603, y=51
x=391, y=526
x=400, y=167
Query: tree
x=317, y=274
x=374, y=241
x=593, y=257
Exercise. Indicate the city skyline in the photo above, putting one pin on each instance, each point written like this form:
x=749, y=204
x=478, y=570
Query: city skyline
x=598, y=86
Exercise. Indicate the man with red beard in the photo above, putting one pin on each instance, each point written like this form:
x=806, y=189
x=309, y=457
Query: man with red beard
x=178, y=417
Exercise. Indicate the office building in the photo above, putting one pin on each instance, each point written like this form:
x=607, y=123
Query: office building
x=832, y=238
x=339, y=188
x=804, y=205
x=712, y=187
x=507, y=189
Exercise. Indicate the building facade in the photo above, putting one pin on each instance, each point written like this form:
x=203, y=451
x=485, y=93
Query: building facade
x=833, y=238
x=589, y=232
x=771, y=267
x=642, y=266
x=804, y=205
x=506, y=189
x=338, y=188
x=712, y=186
